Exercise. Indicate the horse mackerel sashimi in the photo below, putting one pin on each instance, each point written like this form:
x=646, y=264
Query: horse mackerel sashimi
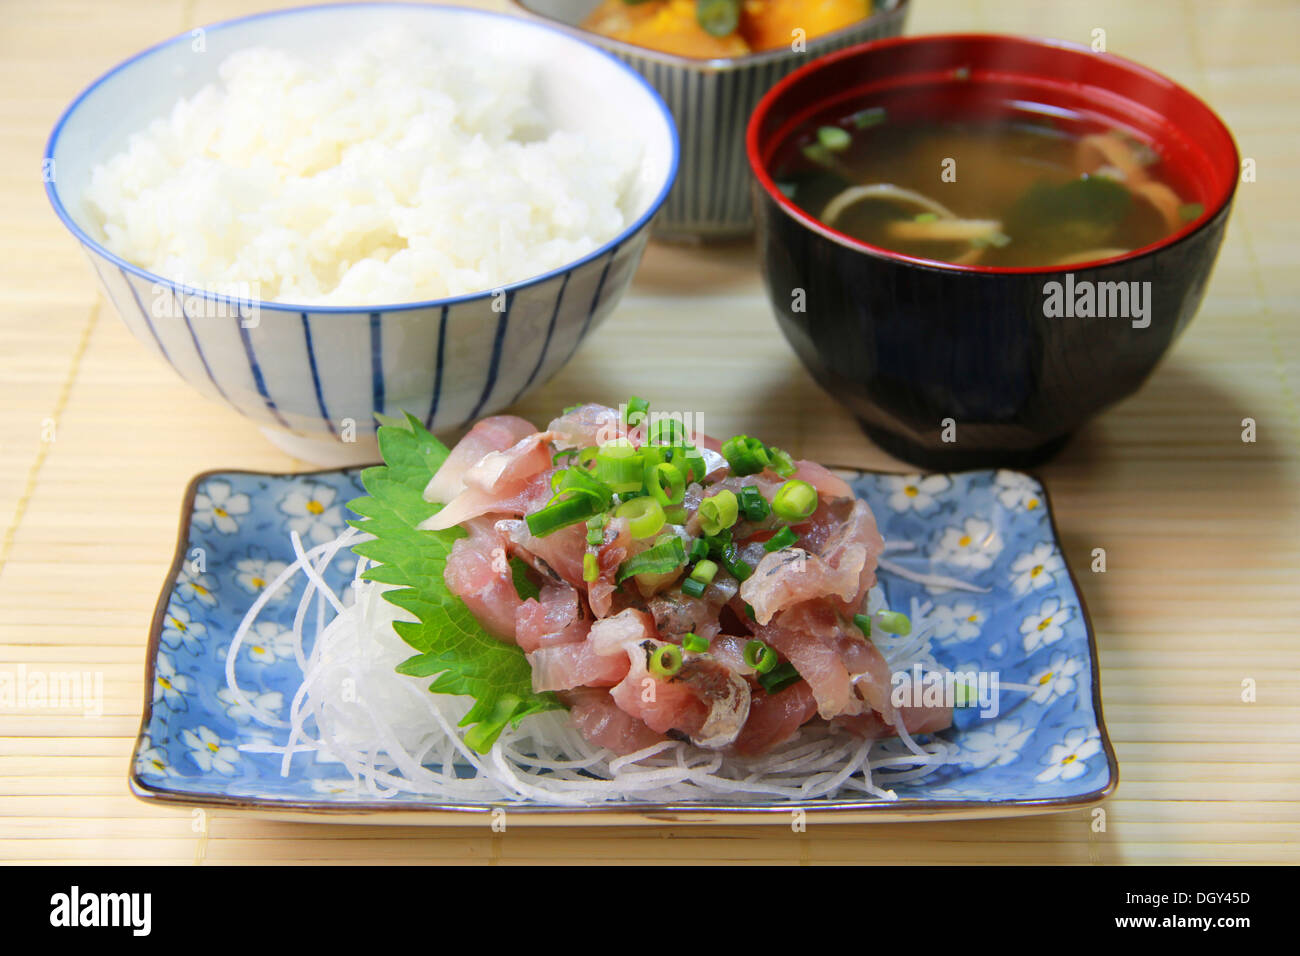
x=686, y=589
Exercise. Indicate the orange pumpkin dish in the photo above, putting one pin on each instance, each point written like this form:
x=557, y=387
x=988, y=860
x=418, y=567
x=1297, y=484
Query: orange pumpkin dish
x=712, y=29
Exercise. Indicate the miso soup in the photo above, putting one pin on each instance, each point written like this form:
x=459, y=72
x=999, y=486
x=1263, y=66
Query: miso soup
x=1002, y=187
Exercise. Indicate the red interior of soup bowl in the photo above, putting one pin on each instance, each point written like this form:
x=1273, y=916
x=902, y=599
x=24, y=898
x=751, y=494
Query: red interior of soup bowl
x=960, y=74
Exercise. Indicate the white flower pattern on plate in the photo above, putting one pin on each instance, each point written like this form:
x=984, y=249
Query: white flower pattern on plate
x=215, y=507
x=1017, y=490
x=209, y=751
x=957, y=622
x=269, y=702
x=180, y=630
x=1036, y=569
x=312, y=512
x=169, y=684
x=1047, y=626
x=994, y=746
x=197, y=586
x=152, y=762
x=268, y=642
x=1068, y=759
x=974, y=545
x=1057, y=679
x=915, y=492
x=254, y=574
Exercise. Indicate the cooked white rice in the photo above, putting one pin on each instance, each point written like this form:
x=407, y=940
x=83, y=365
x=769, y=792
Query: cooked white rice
x=395, y=171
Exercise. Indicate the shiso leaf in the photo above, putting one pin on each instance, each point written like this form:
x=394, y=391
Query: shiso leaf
x=524, y=586
x=452, y=645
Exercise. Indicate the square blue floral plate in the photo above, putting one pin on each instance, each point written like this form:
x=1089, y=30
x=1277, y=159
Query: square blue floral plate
x=1044, y=750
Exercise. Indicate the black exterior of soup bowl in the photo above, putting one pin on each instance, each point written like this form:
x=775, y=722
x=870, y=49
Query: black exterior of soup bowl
x=952, y=366
x=951, y=369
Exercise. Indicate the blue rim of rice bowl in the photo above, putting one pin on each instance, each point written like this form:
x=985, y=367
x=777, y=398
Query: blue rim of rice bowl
x=51, y=187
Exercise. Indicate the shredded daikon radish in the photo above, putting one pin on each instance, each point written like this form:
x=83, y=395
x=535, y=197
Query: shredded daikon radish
x=391, y=736
x=929, y=580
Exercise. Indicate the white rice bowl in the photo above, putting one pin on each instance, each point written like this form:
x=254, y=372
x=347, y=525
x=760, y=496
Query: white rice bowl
x=396, y=170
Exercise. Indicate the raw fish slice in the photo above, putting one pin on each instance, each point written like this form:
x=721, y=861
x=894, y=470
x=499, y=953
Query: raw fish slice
x=586, y=425
x=556, y=556
x=818, y=663
x=626, y=629
x=828, y=485
x=846, y=672
x=499, y=470
x=517, y=499
x=491, y=434
x=565, y=666
x=614, y=551
x=554, y=617
x=775, y=718
x=704, y=701
x=844, y=569
x=730, y=650
x=603, y=724
x=478, y=573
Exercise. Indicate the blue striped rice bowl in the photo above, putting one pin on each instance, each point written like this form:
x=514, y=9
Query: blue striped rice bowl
x=315, y=377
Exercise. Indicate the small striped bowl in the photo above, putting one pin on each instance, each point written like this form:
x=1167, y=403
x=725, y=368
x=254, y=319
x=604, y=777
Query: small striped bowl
x=711, y=100
x=315, y=377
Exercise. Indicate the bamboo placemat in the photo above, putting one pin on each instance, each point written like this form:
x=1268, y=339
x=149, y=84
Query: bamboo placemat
x=1202, y=589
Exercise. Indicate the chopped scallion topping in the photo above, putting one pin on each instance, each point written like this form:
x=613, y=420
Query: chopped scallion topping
x=704, y=571
x=834, y=138
x=796, y=500
x=694, y=643
x=745, y=455
x=635, y=411
x=693, y=466
x=819, y=154
x=665, y=483
x=579, y=479
x=676, y=431
x=872, y=116
x=562, y=511
x=719, y=18
x=892, y=622
x=779, y=678
x=665, y=556
x=754, y=504
x=666, y=660
x=782, y=463
x=618, y=465
x=718, y=512
x=782, y=539
x=760, y=657
x=645, y=516
x=737, y=568
x=718, y=543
